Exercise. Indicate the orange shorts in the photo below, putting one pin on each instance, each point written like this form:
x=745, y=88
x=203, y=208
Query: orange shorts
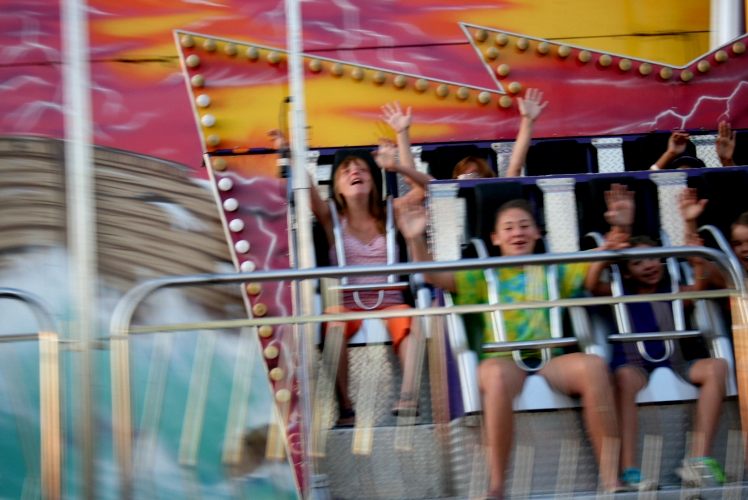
x=398, y=328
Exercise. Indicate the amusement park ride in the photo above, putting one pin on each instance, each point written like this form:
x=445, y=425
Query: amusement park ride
x=608, y=120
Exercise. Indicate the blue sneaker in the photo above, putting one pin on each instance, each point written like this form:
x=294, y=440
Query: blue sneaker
x=631, y=477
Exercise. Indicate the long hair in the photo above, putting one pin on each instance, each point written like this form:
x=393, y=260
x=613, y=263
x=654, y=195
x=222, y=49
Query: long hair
x=376, y=208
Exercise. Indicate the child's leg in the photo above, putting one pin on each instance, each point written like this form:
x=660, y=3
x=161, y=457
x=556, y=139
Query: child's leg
x=500, y=381
x=335, y=355
x=711, y=375
x=588, y=376
x=408, y=341
x=629, y=381
x=341, y=380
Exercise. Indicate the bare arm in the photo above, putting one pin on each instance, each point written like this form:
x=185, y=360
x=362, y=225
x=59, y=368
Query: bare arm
x=676, y=145
x=399, y=122
x=619, y=202
x=706, y=275
x=320, y=209
x=614, y=240
x=530, y=109
x=411, y=220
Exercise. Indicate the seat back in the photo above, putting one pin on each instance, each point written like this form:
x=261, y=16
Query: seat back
x=561, y=156
x=442, y=159
x=642, y=152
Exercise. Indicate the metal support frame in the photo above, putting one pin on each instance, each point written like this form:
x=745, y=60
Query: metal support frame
x=120, y=326
x=49, y=388
x=81, y=220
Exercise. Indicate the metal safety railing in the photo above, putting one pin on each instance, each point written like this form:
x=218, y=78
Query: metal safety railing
x=121, y=328
x=49, y=388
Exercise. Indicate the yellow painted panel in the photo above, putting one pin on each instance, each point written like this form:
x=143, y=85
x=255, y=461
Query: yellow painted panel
x=670, y=31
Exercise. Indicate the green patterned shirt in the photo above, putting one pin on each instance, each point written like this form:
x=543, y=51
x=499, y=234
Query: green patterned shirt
x=517, y=284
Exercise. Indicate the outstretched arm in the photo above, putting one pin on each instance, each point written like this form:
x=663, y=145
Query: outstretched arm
x=619, y=201
x=676, y=145
x=386, y=159
x=725, y=144
x=411, y=221
x=320, y=209
x=399, y=121
x=530, y=108
x=705, y=274
x=614, y=240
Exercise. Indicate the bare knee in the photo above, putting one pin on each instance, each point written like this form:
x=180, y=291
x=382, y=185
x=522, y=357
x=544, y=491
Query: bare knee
x=500, y=377
x=595, y=370
x=709, y=371
x=629, y=380
x=593, y=377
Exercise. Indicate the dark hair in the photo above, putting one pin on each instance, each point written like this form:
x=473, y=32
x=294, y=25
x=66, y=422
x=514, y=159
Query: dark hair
x=642, y=240
x=686, y=161
x=376, y=209
x=484, y=171
x=518, y=203
x=742, y=220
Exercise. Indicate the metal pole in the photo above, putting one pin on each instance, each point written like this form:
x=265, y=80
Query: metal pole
x=302, y=224
x=727, y=22
x=80, y=221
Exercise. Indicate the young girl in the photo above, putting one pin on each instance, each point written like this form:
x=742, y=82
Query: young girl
x=499, y=378
x=357, y=191
x=631, y=372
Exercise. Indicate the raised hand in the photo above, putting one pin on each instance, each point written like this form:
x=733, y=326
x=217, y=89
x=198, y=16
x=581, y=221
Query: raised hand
x=615, y=240
x=532, y=105
x=725, y=143
x=411, y=219
x=676, y=145
x=620, y=206
x=386, y=155
x=691, y=207
x=394, y=116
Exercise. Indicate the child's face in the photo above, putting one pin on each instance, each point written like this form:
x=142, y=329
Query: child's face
x=515, y=232
x=353, y=179
x=470, y=171
x=739, y=242
x=646, y=271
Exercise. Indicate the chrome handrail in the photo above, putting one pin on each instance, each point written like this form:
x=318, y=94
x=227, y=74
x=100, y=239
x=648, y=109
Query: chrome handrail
x=120, y=326
x=49, y=388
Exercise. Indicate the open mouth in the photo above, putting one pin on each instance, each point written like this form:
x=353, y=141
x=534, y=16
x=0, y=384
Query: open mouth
x=355, y=182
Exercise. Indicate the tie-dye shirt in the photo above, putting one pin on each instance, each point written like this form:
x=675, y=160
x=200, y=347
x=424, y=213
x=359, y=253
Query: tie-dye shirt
x=519, y=284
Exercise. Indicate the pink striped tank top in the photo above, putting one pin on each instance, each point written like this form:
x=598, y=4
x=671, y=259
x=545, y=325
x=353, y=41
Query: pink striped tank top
x=358, y=253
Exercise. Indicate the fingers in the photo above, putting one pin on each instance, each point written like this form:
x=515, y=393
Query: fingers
x=535, y=95
x=392, y=108
x=724, y=130
x=618, y=192
x=680, y=136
